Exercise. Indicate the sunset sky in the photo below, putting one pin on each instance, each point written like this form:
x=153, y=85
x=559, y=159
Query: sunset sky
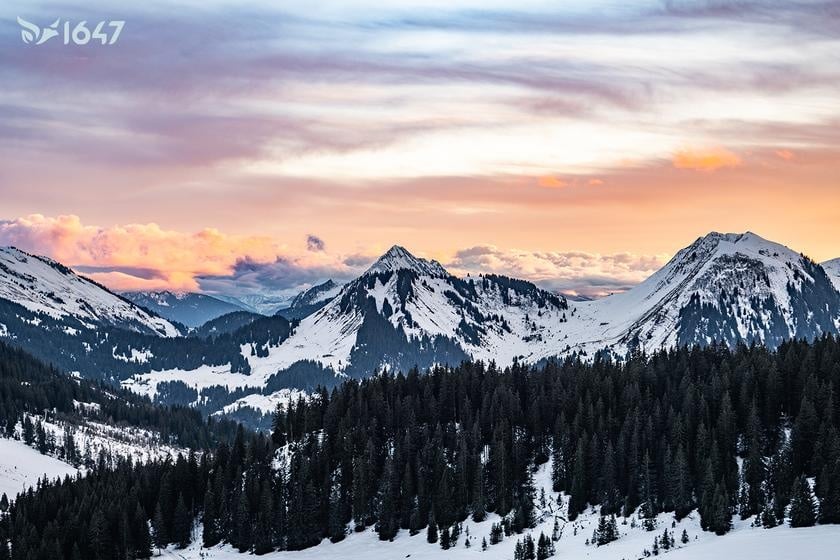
x=579, y=144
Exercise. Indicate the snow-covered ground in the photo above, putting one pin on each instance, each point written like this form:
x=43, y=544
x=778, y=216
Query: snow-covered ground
x=91, y=438
x=266, y=403
x=744, y=542
x=21, y=467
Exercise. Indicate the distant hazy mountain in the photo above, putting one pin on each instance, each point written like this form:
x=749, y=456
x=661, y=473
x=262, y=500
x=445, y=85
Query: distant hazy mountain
x=309, y=301
x=190, y=309
x=257, y=303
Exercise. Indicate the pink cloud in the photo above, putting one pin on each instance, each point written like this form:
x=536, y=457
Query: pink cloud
x=146, y=256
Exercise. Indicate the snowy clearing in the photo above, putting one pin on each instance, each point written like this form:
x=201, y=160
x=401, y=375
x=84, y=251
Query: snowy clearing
x=21, y=467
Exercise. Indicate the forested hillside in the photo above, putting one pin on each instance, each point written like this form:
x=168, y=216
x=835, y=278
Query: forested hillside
x=422, y=452
x=30, y=389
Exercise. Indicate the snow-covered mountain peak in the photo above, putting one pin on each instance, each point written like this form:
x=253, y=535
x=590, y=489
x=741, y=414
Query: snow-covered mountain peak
x=398, y=258
x=732, y=287
x=42, y=285
x=316, y=294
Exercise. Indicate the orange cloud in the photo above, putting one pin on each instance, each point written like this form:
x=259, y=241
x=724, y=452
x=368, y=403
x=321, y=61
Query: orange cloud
x=786, y=155
x=146, y=256
x=705, y=159
x=551, y=182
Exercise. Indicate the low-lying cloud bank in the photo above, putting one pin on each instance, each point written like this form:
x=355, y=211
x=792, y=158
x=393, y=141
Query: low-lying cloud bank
x=149, y=257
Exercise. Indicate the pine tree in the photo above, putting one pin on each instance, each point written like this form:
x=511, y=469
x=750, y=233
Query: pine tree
x=802, y=509
x=100, y=537
x=337, y=528
x=721, y=520
x=607, y=530
x=445, y=541
x=263, y=535
x=431, y=531
x=161, y=538
x=140, y=529
x=579, y=493
x=830, y=501
x=545, y=548
x=210, y=522
x=181, y=524
x=648, y=493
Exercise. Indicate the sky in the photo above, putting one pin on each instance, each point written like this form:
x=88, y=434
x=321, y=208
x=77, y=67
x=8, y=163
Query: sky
x=262, y=147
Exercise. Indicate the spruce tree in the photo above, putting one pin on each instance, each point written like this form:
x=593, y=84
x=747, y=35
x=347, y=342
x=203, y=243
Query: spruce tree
x=181, y=524
x=802, y=509
x=431, y=531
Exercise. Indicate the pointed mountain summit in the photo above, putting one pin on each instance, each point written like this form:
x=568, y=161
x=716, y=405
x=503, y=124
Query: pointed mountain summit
x=724, y=287
x=398, y=258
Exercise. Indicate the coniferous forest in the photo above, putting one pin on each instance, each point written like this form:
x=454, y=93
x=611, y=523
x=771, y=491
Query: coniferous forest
x=422, y=451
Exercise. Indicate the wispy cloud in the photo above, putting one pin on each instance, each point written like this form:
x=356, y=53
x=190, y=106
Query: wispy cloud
x=573, y=273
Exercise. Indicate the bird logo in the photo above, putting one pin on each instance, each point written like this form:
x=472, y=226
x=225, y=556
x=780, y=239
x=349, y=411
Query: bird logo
x=31, y=33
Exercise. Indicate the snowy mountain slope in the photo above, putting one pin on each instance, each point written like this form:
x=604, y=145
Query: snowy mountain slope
x=724, y=287
x=21, y=466
x=316, y=294
x=406, y=311
x=832, y=268
x=190, y=309
x=43, y=286
x=743, y=542
x=311, y=300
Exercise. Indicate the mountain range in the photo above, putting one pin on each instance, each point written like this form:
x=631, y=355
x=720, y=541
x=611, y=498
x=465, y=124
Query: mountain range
x=405, y=311
x=186, y=308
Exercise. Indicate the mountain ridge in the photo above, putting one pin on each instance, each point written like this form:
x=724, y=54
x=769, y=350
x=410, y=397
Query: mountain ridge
x=405, y=311
x=188, y=308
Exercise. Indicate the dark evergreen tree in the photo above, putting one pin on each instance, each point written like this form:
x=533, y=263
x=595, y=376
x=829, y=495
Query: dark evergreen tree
x=802, y=507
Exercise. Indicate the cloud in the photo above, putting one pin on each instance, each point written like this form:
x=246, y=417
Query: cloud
x=146, y=256
x=705, y=159
x=551, y=182
x=574, y=273
x=315, y=243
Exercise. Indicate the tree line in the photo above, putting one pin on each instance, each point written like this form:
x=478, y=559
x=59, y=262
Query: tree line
x=423, y=451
